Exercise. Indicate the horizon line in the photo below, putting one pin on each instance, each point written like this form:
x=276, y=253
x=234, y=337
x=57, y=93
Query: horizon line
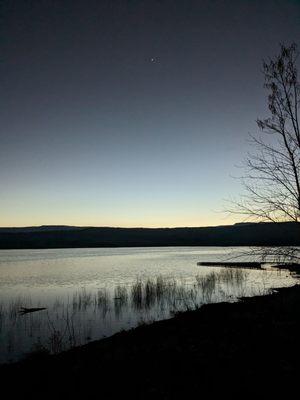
x=132, y=227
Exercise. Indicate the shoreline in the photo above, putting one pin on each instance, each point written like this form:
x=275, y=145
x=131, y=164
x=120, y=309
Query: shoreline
x=250, y=234
x=247, y=346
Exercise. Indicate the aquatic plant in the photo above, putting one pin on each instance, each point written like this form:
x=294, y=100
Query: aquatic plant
x=88, y=314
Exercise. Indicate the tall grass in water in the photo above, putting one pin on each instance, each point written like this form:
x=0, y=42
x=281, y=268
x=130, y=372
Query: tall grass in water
x=101, y=298
x=150, y=298
x=121, y=294
x=207, y=285
x=233, y=276
x=120, y=299
x=137, y=294
x=102, y=301
x=2, y=315
x=160, y=290
x=81, y=299
x=226, y=283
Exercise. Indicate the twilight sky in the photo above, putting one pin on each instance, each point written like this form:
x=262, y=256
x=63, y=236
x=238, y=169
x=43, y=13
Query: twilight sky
x=131, y=113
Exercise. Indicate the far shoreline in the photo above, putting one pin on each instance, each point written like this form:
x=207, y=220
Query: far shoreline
x=238, y=235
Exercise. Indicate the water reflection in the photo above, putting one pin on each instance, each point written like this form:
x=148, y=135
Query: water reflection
x=89, y=314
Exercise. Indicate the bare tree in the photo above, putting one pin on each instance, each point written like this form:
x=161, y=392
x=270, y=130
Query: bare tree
x=272, y=171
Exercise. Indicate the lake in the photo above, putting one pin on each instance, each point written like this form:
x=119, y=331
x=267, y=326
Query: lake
x=93, y=293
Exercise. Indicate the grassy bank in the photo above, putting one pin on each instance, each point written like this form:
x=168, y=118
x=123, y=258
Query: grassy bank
x=250, y=347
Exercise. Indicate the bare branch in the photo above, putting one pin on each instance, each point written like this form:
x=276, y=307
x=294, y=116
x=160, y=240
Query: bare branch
x=272, y=172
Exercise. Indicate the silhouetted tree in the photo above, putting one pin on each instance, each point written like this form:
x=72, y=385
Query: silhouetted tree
x=272, y=177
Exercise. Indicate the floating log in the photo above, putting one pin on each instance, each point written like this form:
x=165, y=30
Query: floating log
x=25, y=310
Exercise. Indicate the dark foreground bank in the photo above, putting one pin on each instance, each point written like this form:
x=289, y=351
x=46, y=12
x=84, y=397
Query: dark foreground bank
x=250, y=347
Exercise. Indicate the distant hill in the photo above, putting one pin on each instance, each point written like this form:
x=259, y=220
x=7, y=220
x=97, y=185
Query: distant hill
x=42, y=228
x=244, y=234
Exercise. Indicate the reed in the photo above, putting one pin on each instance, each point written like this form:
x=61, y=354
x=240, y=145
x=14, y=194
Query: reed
x=120, y=294
x=88, y=312
x=2, y=315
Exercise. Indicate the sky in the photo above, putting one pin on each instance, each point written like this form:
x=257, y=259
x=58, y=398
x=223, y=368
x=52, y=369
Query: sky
x=131, y=113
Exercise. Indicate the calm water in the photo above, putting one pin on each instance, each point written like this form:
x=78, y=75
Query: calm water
x=93, y=293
